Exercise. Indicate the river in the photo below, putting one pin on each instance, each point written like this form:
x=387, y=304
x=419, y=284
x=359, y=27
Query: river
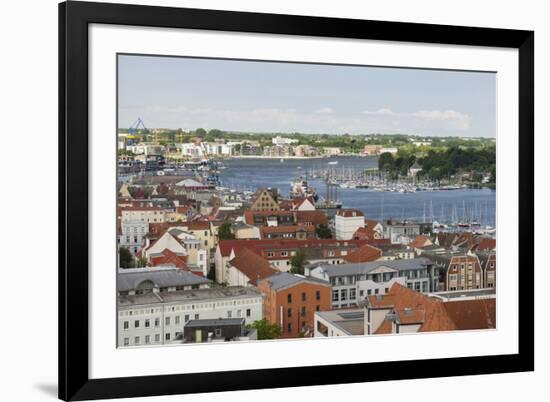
x=250, y=174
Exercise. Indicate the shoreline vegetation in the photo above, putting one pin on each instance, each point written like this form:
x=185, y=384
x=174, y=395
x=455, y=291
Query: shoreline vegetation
x=441, y=160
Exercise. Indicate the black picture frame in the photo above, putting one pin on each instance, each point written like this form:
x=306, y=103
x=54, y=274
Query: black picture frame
x=74, y=18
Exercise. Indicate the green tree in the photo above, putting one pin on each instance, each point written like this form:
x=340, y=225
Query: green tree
x=297, y=262
x=266, y=330
x=385, y=160
x=141, y=262
x=323, y=232
x=125, y=258
x=224, y=231
x=200, y=132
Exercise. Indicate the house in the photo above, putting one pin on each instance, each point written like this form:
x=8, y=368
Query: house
x=292, y=300
x=346, y=223
x=169, y=258
x=303, y=204
x=402, y=310
x=218, y=330
x=420, y=241
x=132, y=235
x=192, y=185
x=414, y=169
x=265, y=199
x=402, y=232
x=246, y=268
x=488, y=261
x=310, y=218
x=352, y=283
x=244, y=231
x=153, y=317
x=148, y=214
x=269, y=218
x=459, y=271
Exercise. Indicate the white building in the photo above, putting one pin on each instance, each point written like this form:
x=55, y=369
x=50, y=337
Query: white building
x=391, y=150
x=132, y=235
x=146, y=148
x=192, y=150
x=218, y=149
x=143, y=214
x=283, y=141
x=346, y=222
x=352, y=283
x=152, y=310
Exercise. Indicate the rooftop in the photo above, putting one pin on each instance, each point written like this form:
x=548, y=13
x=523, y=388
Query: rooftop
x=131, y=278
x=366, y=267
x=283, y=280
x=214, y=322
x=351, y=321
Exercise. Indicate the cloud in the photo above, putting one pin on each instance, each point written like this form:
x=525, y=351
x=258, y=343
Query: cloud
x=447, y=119
x=382, y=111
x=459, y=120
x=324, y=110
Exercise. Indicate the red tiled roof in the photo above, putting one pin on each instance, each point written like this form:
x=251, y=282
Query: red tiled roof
x=226, y=246
x=473, y=314
x=364, y=253
x=168, y=257
x=486, y=243
x=252, y=265
x=420, y=241
x=197, y=225
x=314, y=217
x=286, y=229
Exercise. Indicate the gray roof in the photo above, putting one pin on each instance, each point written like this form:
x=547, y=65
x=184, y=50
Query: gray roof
x=366, y=267
x=190, y=296
x=282, y=280
x=214, y=322
x=129, y=279
x=351, y=321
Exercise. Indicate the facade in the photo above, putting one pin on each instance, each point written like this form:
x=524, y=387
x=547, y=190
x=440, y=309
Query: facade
x=352, y=283
x=461, y=271
x=156, y=317
x=247, y=268
x=403, y=232
x=132, y=235
x=292, y=300
x=143, y=214
x=346, y=223
x=264, y=200
x=217, y=330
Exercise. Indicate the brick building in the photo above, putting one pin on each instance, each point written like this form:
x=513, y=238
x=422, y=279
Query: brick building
x=292, y=300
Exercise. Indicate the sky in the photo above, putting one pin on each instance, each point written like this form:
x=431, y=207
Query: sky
x=250, y=96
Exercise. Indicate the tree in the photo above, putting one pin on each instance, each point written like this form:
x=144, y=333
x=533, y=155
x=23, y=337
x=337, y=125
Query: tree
x=385, y=159
x=323, y=232
x=266, y=330
x=125, y=258
x=297, y=262
x=224, y=231
x=200, y=132
x=141, y=262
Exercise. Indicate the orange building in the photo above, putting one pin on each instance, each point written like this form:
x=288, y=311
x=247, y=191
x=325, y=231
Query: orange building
x=292, y=300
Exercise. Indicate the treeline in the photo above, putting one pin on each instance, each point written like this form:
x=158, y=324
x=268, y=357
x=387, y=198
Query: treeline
x=440, y=164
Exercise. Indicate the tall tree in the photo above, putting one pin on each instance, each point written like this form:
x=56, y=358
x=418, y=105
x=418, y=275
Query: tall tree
x=323, y=232
x=224, y=231
x=125, y=258
x=297, y=262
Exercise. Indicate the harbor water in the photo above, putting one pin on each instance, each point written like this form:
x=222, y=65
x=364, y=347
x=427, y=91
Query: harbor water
x=442, y=206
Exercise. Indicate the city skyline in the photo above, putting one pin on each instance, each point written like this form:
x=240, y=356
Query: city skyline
x=274, y=97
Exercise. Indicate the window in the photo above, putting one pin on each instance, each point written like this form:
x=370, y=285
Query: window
x=126, y=324
x=248, y=312
x=147, y=323
x=303, y=312
x=167, y=336
x=126, y=341
x=303, y=296
x=157, y=322
x=218, y=331
x=289, y=312
x=344, y=294
x=335, y=295
x=167, y=321
x=317, y=308
x=196, y=316
x=136, y=340
x=239, y=313
x=147, y=339
x=376, y=291
x=136, y=324
x=229, y=314
x=386, y=290
x=157, y=337
x=317, y=295
x=177, y=320
x=369, y=292
x=352, y=293
x=289, y=297
x=289, y=327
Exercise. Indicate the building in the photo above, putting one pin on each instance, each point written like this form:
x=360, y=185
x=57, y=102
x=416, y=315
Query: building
x=292, y=300
x=218, y=330
x=488, y=261
x=247, y=268
x=389, y=150
x=155, y=317
x=459, y=271
x=403, y=310
x=148, y=214
x=341, y=322
x=403, y=232
x=414, y=169
x=265, y=200
x=372, y=149
x=288, y=232
x=278, y=140
x=269, y=218
x=332, y=150
x=132, y=235
x=346, y=223
x=352, y=283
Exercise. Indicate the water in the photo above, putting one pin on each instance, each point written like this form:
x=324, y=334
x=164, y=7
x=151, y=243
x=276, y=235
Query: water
x=250, y=174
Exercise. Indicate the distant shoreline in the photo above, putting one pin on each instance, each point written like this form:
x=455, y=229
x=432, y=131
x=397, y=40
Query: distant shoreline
x=293, y=157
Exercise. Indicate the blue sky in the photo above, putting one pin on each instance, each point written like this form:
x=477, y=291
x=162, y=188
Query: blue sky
x=289, y=97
